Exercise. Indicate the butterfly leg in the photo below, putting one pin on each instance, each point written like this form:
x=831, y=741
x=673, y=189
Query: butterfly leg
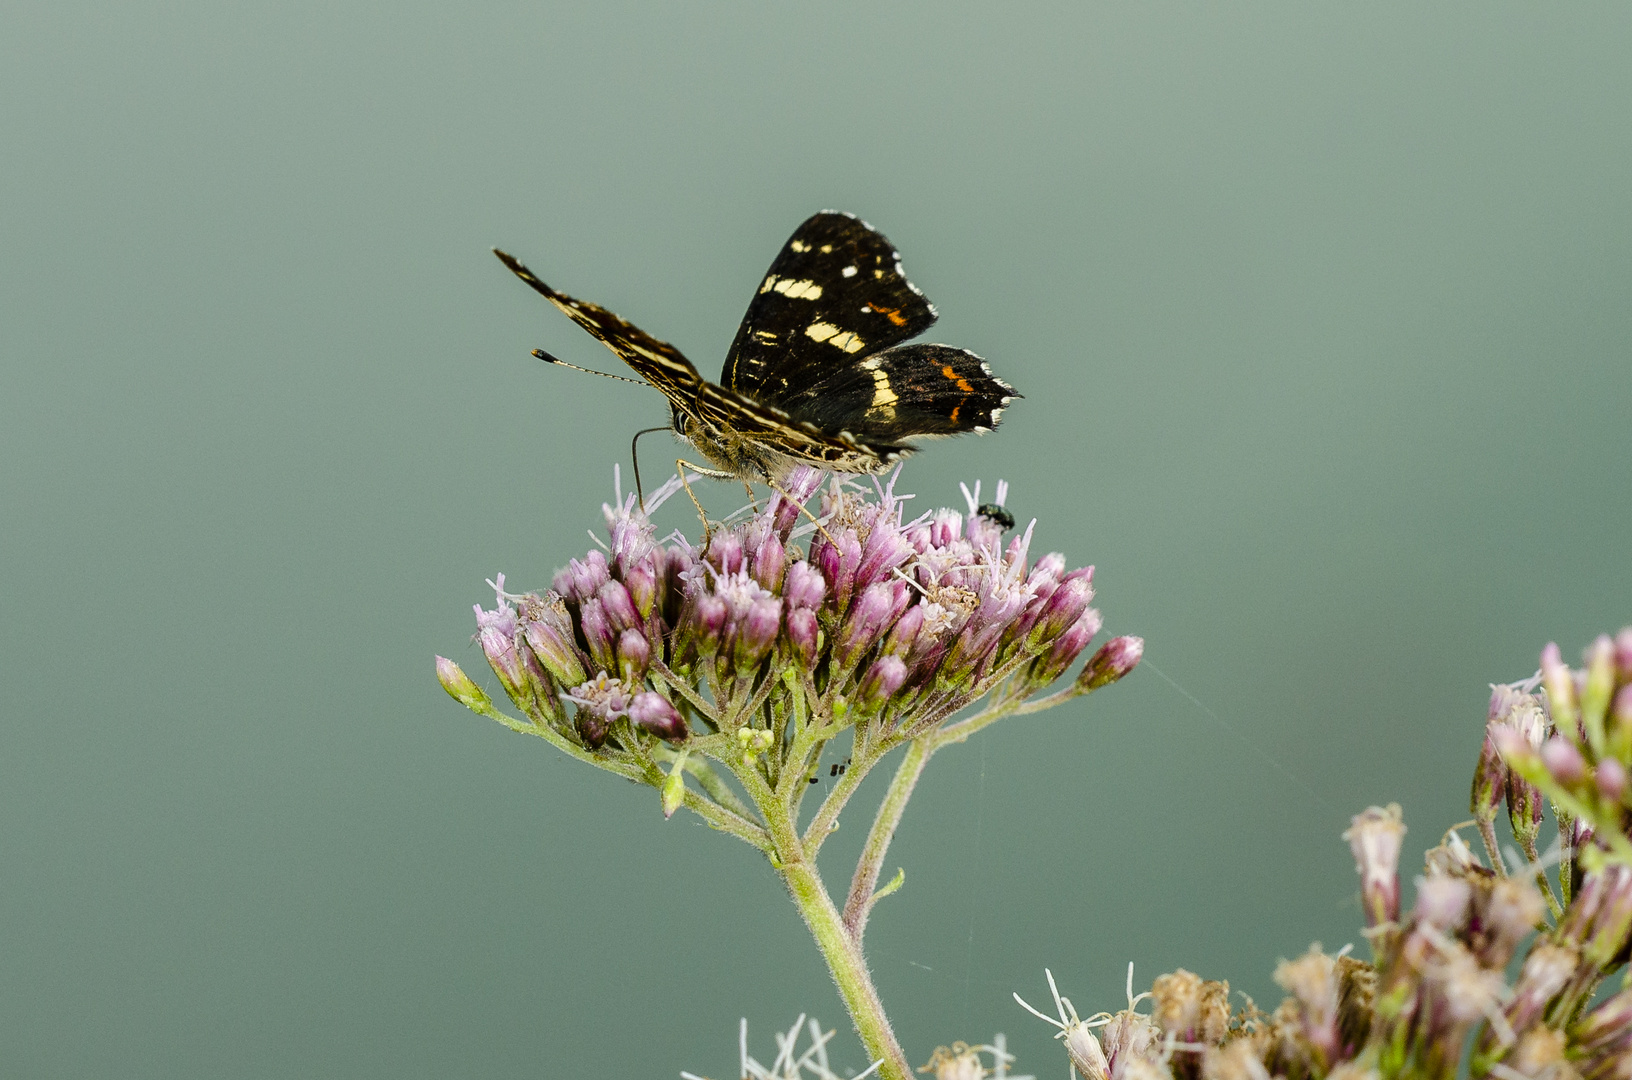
x=681, y=465
x=814, y=520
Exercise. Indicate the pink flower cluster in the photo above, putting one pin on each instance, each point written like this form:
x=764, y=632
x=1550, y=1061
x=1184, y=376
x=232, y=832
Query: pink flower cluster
x=901, y=621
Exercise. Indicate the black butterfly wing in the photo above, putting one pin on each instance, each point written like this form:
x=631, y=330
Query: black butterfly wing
x=907, y=391
x=658, y=362
x=836, y=293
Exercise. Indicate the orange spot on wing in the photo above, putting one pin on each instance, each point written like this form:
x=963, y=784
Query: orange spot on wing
x=963, y=384
x=893, y=314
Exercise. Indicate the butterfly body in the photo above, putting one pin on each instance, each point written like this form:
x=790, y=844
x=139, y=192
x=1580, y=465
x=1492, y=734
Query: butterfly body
x=817, y=373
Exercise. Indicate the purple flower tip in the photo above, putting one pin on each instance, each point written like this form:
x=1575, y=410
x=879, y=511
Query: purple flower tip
x=1114, y=660
x=653, y=712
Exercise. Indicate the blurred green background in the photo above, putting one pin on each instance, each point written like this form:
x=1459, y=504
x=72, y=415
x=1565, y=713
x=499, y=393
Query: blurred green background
x=1321, y=314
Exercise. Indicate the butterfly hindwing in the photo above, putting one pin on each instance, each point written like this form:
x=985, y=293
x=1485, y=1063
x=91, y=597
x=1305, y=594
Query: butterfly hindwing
x=905, y=391
x=835, y=293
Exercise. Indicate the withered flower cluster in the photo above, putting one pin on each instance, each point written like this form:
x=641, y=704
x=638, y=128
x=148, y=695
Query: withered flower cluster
x=1436, y=997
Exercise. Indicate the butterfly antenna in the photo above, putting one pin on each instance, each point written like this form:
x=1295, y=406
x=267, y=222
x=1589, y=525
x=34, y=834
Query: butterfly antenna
x=548, y=359
x=634, y=453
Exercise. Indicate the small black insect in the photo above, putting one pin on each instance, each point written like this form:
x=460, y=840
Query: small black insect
x=817, y=374
x=1004, y=519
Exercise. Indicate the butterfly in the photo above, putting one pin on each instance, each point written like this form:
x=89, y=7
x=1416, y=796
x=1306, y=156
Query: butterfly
x=818, y=373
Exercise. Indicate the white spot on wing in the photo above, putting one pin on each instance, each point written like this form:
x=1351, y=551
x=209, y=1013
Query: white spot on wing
x=803, y=289
x=798, y=245
x=848, y=271
x=847, y=341
x=820, y=331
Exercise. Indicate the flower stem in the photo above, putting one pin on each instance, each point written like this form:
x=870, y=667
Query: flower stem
x=860, y=901
x=849, y=970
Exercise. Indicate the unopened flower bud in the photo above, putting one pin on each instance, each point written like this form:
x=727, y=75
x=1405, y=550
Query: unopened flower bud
x=885, y=550
x=708, y=624
x=1082, y=1047
x=900, y=639
x=803, y=635
x=1546, y=971
x=505, y=660
x=756, y=633
x=1619, y=739
x=618, y=605
x=1065, y=649
x=598, y=634
x=1374, y=837
x=770, y=563
x=462, y=689
x=1564, y=761
x=1597, y=689
x=1560, y=684
x=1114, y=660
x=804, y=587
x=1611, y=780
x=1489, y=781
x=674, y=786
x=725, y=552
x=801, y=483
x=634, y=654
x=1603, y=1036
x=653, y=712
x=1623, y=655
x=580, y=580
x=868, y=617
x=882, y=679
x=1064, y=607
x=838, y=561
x=1442, y=902
x=557, y=653
x=1599, y=920
x=642, y=583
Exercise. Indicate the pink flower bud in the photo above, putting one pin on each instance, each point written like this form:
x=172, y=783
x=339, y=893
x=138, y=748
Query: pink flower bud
x=886, y=549
x=556, y=652
x=505, y=660
x=461, y=688
x=725, y=552
x=1611, y=780
x=1623, y=655
x=899, y=641
x=642, y=583
x=804, y=586
x=1114, y=660
x=1560, y=684
x=708, y=624
x=634, y=654
x=618, y=605
x=654, y=713
x=1489, y=781
x=770, y=562
x=598, y=633
x=884, y=678
x=1374, y=837
x=1065, y=649
x=1064, y=607
x=1442, y=901
x=579, y=581
x=756, y=633
x=802, y=636
x=868, y=617
x=1564, y=761
x=801, y=483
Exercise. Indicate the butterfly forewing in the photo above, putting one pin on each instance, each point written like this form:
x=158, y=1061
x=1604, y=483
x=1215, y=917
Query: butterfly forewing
x=836, y=293
x=658, y=362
